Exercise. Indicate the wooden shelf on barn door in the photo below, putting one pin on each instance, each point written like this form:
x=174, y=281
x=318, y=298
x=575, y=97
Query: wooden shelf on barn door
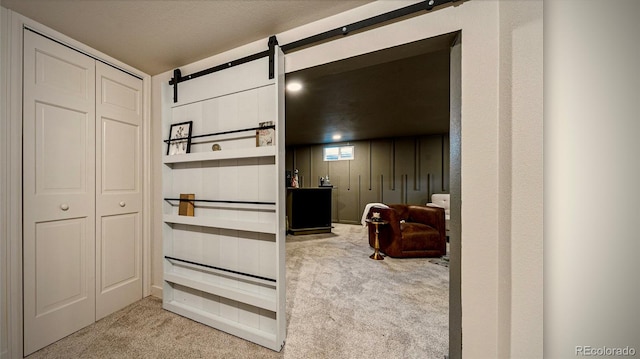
x=255, y=298
x=255, y=335
x=223, y=223
x=251, y=152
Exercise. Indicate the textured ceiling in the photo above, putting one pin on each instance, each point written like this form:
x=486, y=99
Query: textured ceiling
x=402, y=91
x=157, y=36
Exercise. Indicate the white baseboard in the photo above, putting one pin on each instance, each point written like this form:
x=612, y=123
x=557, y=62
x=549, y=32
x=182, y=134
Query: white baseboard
x=156, y=291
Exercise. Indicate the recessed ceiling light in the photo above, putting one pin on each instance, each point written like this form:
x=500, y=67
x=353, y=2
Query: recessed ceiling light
x=294, y=86
x=337, y=137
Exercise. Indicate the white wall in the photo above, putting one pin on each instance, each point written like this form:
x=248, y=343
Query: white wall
x=501, y=154
x=520, y=251
x=592, y=201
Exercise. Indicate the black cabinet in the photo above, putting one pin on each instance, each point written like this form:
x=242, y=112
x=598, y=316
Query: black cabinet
x=309, y=210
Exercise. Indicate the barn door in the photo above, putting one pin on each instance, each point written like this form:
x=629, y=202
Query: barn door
x=224, y=261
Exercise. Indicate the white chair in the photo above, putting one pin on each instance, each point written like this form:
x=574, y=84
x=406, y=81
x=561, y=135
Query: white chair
x=442, y=200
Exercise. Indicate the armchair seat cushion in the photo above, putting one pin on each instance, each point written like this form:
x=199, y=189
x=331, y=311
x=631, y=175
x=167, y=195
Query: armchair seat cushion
x=417, y=236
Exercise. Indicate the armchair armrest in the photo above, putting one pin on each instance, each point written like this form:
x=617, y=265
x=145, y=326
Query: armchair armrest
x=446, y=210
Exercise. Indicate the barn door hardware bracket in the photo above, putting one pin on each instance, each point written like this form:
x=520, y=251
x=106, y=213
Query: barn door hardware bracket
x=177, y=77
x=273, y=41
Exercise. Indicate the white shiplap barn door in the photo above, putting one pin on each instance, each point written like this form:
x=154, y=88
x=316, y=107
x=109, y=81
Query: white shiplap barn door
x=225, y=265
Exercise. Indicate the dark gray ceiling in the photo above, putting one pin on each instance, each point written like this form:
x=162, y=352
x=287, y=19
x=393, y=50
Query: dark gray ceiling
x=396, y=92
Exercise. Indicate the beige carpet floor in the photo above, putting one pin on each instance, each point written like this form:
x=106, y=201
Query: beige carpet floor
x=340, y=304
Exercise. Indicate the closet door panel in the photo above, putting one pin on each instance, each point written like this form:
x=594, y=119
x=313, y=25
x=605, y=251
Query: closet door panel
x=119, y=190
x=59, y=74
x=60, y=285
x=60, y=162
x=120, y=92
x=119, y=260
x=119, y=166
x=59, y=191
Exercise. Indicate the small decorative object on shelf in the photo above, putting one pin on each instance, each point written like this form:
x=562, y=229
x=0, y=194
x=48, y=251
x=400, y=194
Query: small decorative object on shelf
x=265, y=136
x=294, y=180
x=216, y=147
x=186, y=207
x=375, y=216
x=324, y=182
x=179, y=138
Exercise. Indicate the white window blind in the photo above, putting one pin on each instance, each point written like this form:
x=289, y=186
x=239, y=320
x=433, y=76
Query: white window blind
x=338, y=153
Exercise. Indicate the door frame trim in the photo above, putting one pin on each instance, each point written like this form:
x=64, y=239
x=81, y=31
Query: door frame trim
x=12, y=145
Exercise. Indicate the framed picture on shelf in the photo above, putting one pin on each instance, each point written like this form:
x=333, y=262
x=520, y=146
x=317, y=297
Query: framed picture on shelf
x=179, y=138
x=265, y=136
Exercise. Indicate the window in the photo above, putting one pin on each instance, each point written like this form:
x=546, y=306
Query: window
x=338, y=153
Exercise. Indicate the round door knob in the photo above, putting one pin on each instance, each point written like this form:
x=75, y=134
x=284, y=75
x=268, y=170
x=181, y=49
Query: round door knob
x=64, y=206
x=122, y=204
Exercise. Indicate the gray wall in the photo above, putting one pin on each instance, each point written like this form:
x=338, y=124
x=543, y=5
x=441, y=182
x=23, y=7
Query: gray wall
x=395, y=170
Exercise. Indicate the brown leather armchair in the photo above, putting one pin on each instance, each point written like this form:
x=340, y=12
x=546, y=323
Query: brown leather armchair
x=413, y=231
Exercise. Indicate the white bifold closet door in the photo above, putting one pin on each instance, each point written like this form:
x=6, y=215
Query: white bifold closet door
x=118, y=190
x=81, y=190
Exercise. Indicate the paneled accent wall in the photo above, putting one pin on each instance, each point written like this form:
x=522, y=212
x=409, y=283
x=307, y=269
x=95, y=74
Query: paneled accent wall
x=394, y=170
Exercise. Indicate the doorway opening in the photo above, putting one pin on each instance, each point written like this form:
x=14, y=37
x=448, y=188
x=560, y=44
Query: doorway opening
x=400, y=110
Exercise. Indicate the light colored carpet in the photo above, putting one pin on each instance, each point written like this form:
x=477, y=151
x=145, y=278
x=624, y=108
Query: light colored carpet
x=340, y=304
